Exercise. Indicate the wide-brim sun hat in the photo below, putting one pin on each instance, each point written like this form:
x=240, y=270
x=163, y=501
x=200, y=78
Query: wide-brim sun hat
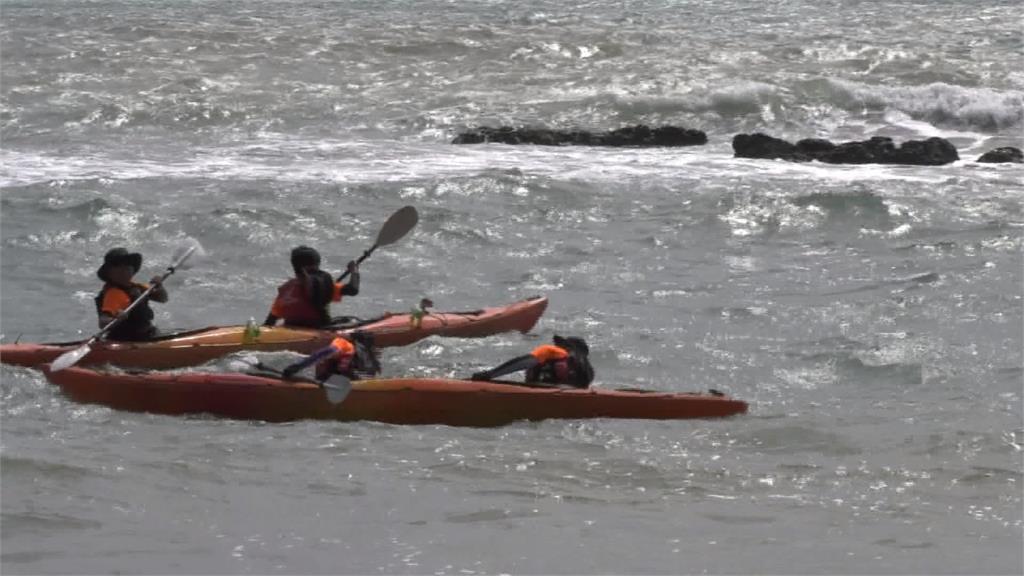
x=118, y=257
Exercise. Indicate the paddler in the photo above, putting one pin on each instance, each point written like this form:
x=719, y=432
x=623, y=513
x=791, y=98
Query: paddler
x=304, y=300
x=566, y=362
x=119, y=291
x=349, y=356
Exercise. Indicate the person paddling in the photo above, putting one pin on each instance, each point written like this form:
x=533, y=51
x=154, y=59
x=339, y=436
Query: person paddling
x=119, y=291
x=304, y=300
x=566, y=362
x=349, y=356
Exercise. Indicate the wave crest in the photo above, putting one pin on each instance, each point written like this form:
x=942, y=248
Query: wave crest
x=937, y=103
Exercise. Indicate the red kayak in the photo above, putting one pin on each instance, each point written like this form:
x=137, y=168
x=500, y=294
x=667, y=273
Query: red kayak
x=395, y=401
x=199, y=346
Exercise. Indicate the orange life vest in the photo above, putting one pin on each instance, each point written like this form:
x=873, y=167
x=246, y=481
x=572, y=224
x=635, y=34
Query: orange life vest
x=112, y=299
x=549, y=352
x=340, y=362
x=294, y=304
x=554, y=365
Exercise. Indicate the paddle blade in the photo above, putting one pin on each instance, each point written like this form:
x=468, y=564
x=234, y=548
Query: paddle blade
x=69, y=359
x=187, y=254
x=337, y=388
x=397, y=226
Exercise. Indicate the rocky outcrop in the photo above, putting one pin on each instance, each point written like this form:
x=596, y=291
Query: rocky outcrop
x=764, y=146
x=630, y=136
x=1004, y=154
x=877, y=150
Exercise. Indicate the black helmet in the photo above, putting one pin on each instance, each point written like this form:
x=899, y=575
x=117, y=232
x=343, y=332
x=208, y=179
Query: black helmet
x=303, y=256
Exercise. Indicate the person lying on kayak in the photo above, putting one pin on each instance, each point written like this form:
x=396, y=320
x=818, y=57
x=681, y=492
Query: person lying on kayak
x=566, y=362
x=346, y=356
x=119, y=291
x=305, y=299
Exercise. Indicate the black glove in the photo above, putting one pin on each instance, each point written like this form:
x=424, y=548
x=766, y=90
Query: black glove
x=290, y=371
x=480, y=376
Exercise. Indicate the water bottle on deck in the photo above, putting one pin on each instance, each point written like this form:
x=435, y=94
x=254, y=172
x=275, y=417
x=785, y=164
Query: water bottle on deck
x=252, y=332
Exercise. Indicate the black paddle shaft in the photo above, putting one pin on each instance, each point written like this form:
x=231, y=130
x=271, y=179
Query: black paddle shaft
x=365, y=255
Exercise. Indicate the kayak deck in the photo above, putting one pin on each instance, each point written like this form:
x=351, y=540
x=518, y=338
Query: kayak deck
x=391, y=400
x=200, y=346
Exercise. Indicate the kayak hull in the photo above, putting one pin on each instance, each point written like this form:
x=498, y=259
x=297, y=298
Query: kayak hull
x=395, y=401
x=200, y=346
x=182, y=350
x=398, y=330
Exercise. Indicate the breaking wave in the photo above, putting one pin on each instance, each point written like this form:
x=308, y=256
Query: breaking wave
x=938, y=103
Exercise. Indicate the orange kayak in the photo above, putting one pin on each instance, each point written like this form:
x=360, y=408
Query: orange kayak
x=395, y=401
x=199, y=346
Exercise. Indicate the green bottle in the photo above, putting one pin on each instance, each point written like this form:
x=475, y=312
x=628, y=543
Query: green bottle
x=252, y=332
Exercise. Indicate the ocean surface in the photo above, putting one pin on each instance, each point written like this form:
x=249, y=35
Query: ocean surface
x=870, y=315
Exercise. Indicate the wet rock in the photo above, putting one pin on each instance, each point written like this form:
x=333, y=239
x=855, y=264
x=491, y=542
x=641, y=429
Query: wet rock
x=1004, y=154
x=877, y=150
x=812, y=146
x=660, y=136
x=763, y=146
x=930, y=152
x=640, y=135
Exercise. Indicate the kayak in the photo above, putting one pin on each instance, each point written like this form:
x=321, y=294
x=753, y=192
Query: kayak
x=198, y=346
x=392, y=400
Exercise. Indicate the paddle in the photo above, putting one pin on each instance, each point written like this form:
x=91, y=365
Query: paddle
x=397, y=226
x=336, y=385
x=69, y=359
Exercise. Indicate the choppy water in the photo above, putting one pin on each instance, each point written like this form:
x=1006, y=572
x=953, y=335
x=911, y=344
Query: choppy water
x=871, y=315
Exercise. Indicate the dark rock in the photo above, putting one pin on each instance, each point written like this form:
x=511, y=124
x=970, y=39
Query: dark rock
x=661, y=136
x=931, y=152
x=630, y=136
x=1004, y=154
x=763, y=146
x=814, y=146
x=877, y=150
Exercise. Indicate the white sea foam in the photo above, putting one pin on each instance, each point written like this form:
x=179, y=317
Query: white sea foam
x=938, y=103
x=357, y=162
